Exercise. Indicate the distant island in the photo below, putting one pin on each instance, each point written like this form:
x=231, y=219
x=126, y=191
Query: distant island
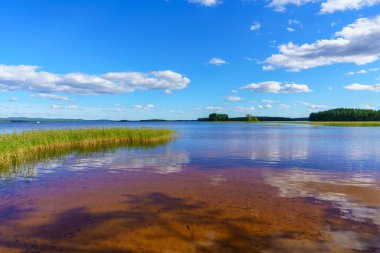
x=213, y=117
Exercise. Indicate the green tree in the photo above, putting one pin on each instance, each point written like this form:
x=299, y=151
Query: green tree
x=217, y=117
x=251, y=118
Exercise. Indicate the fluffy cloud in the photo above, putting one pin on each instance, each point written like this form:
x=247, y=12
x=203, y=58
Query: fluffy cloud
x=234, y=98
x=265, y=106
x=243, y=109
x=207, y=3
x=143, y=107
x=217, y=61
x=268, y=68
x=27, y=77
x=367, y=106
x=292, y=24
x=63, y=107
x=255, y=26
x=327, y=6
x=362, y=71
x=357, y=43
x=280, y=5
x=50, y=96
x=267, y=101
x=276, y=87
x=363, y=87
x=313, y=106
x=331, y=6
x=210, y=108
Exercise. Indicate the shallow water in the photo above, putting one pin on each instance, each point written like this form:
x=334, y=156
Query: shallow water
x=221, y=187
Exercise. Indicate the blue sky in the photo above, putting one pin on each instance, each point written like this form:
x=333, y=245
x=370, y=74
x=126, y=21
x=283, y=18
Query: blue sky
x=183, y=59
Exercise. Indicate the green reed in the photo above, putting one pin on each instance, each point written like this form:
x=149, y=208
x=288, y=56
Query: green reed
x=34, y=146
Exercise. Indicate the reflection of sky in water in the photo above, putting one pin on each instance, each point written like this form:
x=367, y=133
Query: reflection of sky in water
x=335, y=161
x=283, y=145
x=338, y=189
x=218, y=145
x=315, y=184
x=122, y=159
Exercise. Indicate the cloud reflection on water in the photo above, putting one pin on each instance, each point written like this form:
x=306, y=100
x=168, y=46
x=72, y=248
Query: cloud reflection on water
x=356, y=195
x=158, y=162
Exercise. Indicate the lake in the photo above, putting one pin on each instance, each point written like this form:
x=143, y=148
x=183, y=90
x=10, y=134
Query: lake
x=217, y=187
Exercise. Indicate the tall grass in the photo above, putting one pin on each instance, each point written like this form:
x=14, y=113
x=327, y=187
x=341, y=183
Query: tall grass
x=32, y=146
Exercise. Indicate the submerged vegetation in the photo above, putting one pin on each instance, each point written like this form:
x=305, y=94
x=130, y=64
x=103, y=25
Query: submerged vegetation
x=33, y=146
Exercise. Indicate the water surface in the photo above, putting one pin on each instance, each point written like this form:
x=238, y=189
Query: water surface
x=218, y=187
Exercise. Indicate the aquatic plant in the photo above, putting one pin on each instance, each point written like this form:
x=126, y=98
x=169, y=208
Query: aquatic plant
x=32, y=146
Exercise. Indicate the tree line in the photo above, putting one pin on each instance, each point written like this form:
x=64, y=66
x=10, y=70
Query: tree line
x=346, y=114
x=224, y=117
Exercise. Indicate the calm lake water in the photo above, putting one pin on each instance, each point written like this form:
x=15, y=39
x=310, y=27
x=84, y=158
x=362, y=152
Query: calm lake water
x=217, y=187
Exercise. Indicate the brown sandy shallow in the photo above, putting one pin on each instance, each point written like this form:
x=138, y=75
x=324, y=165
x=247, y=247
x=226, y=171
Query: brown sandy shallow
x=192, y=211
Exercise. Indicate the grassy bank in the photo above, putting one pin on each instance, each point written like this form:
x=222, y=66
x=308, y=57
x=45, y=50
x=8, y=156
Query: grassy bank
x=31, y=146
x=335, y=123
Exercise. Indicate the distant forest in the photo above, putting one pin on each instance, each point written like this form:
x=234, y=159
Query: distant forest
x=250, y=118
x=346, y=114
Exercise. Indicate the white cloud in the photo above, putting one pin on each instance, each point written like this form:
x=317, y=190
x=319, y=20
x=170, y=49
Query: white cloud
x=234, y=98
x=268, y=101
x=27, y=77
x=207, y=3
x=268, y=68
x=63, y=107
x=284, y=106
x=292, y=24
x=280, y=5
x=327, y=6
x=363, y=87
x=367, y=106
x=143, y=107
x=210, y=108
x=235, y=91
x=276, y=87
x=265, y=106
x=357, y=43
x=313, y=106
x=217, y=61
x=331, y=6
x=213, y=108
x=13, y=99
x=255, y=26
x=50, y=96
x=362, y=71
x=243, y=109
